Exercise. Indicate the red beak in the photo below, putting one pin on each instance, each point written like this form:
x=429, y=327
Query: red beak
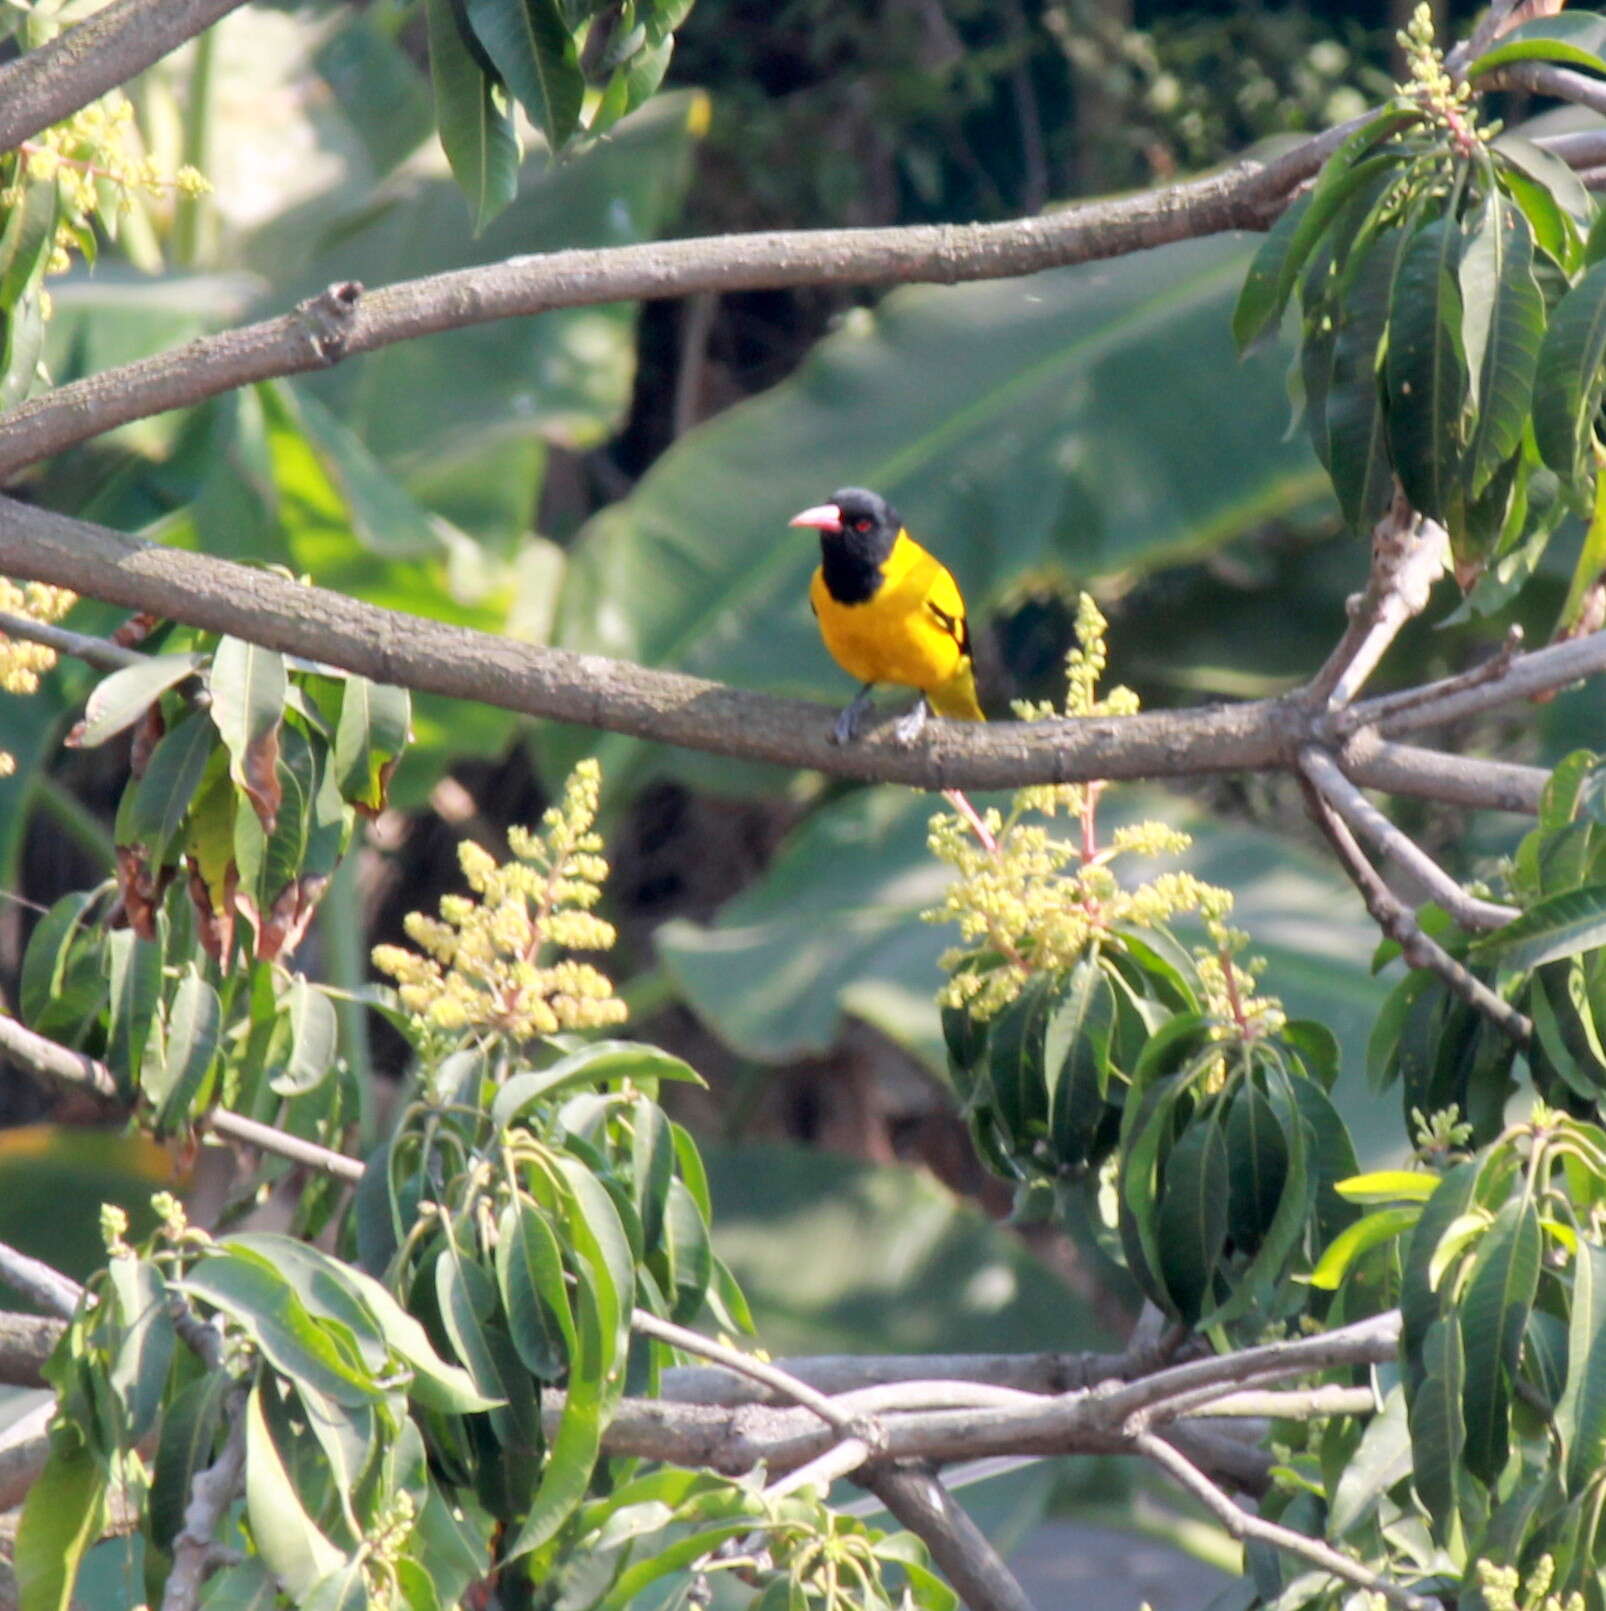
x=823, y=517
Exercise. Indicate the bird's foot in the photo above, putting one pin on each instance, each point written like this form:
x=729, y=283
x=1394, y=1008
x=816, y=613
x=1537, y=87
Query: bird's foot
x=911, y=726
x=847, y=724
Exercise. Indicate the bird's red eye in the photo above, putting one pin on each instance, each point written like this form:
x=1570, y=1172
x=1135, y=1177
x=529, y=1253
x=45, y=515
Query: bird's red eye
x=862, y=523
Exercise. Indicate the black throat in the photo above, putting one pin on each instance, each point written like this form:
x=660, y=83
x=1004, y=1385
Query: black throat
x=851, y=563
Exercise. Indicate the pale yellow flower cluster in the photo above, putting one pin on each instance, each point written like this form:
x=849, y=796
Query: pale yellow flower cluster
x=1084, y=665
x=1432, y=87
x=1027, y=902
x=1504, y=1590
x=488, y=960
x=23, y=663
x=94, y=162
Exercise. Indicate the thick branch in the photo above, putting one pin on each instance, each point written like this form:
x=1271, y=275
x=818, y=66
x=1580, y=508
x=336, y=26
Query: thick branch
x=920, y=1503
x=344, y=321
x=106, y=50
x=39, y=1283
x=668, y=707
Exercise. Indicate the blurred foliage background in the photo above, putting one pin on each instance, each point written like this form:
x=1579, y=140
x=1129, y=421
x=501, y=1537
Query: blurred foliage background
x=618, y=479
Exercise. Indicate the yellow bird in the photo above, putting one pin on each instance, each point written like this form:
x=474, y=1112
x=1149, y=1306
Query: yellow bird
x=889, y=612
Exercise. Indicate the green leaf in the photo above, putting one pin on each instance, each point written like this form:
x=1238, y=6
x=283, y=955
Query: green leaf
x=120, y=700
x=1275, y=270
x=1076, y=1060
x=1388, y=1185
x=1581, y=1414
x=535, y=1298
x=535, y=54
x=1192, y=1225
x=1576, y=39
x=61, y=979
x=295, y=1549
x=476, y=133
x=194, y=1030
x=162, y=797
x=248, y=686
x=261, y=1299
x=1381, y=1460
x=139, y=1371
x=61, y=1517
x=1493, y=1317
x=26, y=242
x=372, y=734
x=1419, y=1303
x=1572, y=374
x=1503, y=323
x=1257, y=1152
x=134, y=978
x=1359, y=1238
x=185, y=1443
x=593, y=1064
x=1557, y=926
x=1438, y=1430
x=1426, y=373
x=1355, y=423
x=1015, y=1063
x=314, y=1040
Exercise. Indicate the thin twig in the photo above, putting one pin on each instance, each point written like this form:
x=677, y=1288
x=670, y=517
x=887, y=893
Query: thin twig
x=772, y=1376
x=97, y=652
x=1398, y=922
x=914, y=1496
x=1243, y=1524
x=1364, y=817
x=837, y=1461
x=1386, y=707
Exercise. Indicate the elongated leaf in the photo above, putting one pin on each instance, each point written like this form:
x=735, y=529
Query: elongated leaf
x=1357, y=445
x=372, y=733
x=26, y=241
x=529, y=1271
x=535, y=54
x=1388, y=1185
x=1581, y=1414
x=1258, y=1165
x=1567, y=393
x=194, y=1024
x=1576, y=39
x=594, y=1064
x=1503, y=323
x=61, y=1518
x=135, y=981
x=1359, y=1238
x=1015, y=1063
x=1276, y=267
x=248, y=686
x=262, y=1300
x=185, y=1445
x=314, y=1039
x=1076, y=1060
x=1494, y=1315
x=476, y=133
x=1193, y=1215
x=1438, y=1429
x=117, y=702
x=162, y=796
x=1426, y=373
x=1558, y=926
x=1419, y=1303
x=139, y=1372
x=296, y=1551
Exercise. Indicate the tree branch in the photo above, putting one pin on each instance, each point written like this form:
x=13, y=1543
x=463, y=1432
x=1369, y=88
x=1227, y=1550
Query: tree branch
x=98, y=55
x=1364, y=817
x=919, y=1502
x=1243, y=1524
x=100, y=653
x=39, y=1283
x=1397, y=921
x=344, y=320
x=668, y=707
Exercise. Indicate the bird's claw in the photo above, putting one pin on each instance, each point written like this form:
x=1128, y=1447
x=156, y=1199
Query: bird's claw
x=847, y=724
x=911, y=726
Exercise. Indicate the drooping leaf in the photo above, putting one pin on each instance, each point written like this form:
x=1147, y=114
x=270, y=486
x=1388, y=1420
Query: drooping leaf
x=1503, y=323
x=535, y=53
x=1581, y=1413
x=61, y=1518
x=194, y=1027
x=248, y=686
x=314, y=1039
x=121, y=699
x=1572, y=375
x=1575, y=39
x=1426, y=373
x=163, y=795
x=1376, y=1228
x=297, y=1552
x=1438, y=1428
x=1493, y=1317
x=476, y=132
x=1557, y=926
x=1193, y=1215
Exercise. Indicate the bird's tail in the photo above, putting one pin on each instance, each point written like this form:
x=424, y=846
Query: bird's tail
x=957, y=697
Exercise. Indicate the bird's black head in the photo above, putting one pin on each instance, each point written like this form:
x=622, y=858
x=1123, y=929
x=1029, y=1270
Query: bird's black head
x=857, y=530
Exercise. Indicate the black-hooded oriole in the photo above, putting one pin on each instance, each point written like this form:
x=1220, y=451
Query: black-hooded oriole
x=889, y=612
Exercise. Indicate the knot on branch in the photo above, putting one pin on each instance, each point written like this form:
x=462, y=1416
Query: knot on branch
x=327, y=318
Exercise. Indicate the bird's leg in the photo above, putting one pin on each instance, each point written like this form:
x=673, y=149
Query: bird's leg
x=847, y=724
x=911, y=726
